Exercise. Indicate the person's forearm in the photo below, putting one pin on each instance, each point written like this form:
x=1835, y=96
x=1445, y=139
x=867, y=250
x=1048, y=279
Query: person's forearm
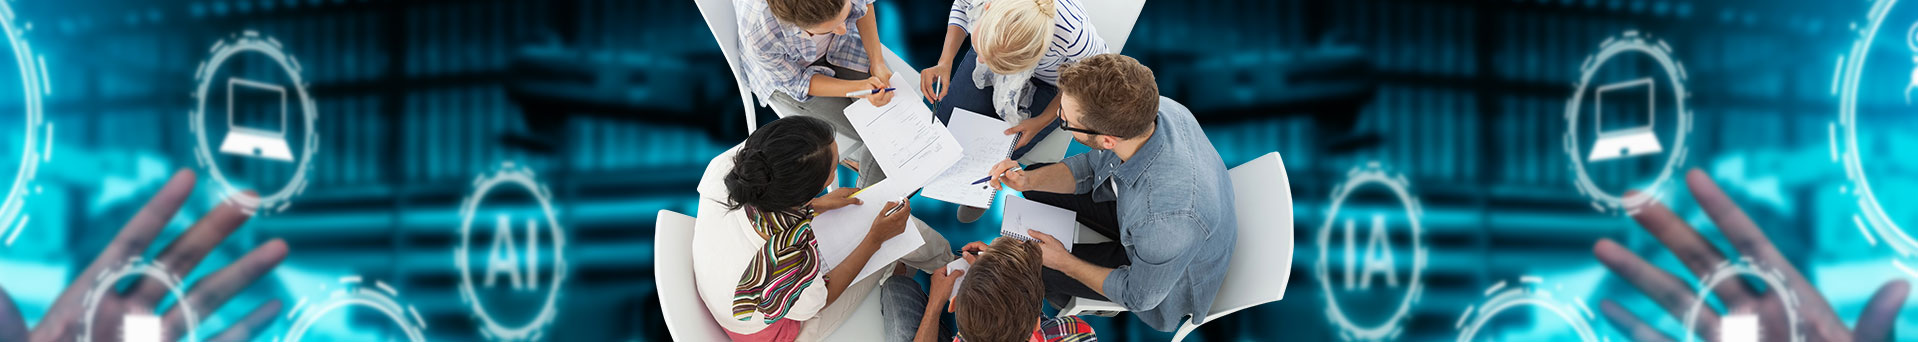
x=826, y=86
x=869, y=35
x=955, y=37
x=842, y=275
x=929, y=323
x=1093, y=276
x=1055, y=178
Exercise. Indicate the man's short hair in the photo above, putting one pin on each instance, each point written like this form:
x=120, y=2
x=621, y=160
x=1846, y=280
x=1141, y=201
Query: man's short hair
x=1001, y=297
x=1117, y=96
x=806, y=12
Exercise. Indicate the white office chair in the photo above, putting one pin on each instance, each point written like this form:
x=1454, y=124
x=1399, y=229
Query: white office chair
x=725, y=26
x=686, y=318
x=1262, y=258
x=1114, y=20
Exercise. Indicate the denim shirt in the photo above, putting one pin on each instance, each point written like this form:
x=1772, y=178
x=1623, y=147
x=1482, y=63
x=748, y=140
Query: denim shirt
x=1175, y=219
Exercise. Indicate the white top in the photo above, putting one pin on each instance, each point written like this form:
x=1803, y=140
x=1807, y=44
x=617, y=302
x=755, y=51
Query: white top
x=823, y=41
x=724, y=243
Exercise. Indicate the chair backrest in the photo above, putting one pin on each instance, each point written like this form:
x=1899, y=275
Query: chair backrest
x=1262, y=259
x=724, y=23
x=1113, y=19
x=686, y=317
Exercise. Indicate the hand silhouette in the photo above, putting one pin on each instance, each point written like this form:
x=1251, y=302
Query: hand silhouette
x=1818, y=321
x=65, y=320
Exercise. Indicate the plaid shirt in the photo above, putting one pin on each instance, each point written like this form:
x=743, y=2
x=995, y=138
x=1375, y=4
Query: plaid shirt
x=1060, y=329
x=779, y=55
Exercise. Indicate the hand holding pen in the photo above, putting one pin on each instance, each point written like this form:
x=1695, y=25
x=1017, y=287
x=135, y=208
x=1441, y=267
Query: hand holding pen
x=877, y=91
x=891, y=222
x=1008, y=174
x=865, y=93
x=933, y=81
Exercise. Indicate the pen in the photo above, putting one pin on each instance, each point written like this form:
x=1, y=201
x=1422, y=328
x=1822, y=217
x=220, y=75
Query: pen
x=867, y=92
x=988, y=177
x=895, y=209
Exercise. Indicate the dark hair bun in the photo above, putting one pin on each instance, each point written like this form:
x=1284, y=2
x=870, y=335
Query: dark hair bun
x=782, y=165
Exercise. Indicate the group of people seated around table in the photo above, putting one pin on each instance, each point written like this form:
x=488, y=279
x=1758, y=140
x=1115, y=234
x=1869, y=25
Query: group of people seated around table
x=1151, y=183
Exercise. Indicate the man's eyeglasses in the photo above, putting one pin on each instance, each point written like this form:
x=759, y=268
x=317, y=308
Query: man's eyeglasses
x=1067, y=125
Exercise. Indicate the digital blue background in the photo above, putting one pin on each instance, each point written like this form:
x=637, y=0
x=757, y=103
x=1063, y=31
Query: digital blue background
x=418, y=97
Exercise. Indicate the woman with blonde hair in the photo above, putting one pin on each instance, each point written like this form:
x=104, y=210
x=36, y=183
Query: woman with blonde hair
x=1012, y=72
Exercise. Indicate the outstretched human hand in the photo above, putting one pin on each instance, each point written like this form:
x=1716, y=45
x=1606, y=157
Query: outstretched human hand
x=64, y=321
x=1818, y=321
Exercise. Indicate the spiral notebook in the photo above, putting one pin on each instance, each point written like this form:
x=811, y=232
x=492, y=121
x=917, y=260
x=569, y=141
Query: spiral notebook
x=985, y=143
x=1023, y=214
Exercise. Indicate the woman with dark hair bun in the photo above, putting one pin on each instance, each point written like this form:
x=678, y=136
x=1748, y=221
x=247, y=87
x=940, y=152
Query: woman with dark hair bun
x=756, y=262
x=782, y=166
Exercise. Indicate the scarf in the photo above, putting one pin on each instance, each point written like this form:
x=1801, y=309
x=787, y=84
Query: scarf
x=782, y=269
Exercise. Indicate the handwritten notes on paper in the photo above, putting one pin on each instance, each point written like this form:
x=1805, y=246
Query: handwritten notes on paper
x=985, y=144
x=904, y=136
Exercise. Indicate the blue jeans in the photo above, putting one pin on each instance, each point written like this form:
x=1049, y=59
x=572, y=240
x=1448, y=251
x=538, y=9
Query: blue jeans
x=904, y=306
x=964, y=94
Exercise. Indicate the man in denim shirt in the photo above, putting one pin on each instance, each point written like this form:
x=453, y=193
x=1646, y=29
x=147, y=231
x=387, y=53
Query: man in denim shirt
x=1152, y=182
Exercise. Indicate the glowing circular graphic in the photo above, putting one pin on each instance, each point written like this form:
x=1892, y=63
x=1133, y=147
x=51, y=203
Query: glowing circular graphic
x=1371, y=175
x=355, y=293
x=1729, y=270
x=37, y=146
x=1911, y=37
x=205, y=153
x=1872, y=219
x=1631, y=42
x=152, y=271
x=1530, y=292
x=511, y=175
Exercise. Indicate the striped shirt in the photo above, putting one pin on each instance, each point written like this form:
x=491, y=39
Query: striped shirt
x=778, y=56
x=1073, y=37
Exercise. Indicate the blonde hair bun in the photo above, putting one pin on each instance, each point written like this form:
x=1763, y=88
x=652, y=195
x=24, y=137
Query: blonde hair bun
x=1011, y=35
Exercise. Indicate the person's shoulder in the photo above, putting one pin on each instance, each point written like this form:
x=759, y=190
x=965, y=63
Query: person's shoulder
x=1168, y=106
x=744, y=6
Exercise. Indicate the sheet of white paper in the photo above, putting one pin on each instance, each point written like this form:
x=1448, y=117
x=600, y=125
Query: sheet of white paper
x=986, y=144
x=958, y=264
x=904, y=136
x=1023, y=214
x=839, y=231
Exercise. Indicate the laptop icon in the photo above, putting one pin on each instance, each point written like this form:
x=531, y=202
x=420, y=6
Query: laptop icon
x=252, y=140
x=1624, y=124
